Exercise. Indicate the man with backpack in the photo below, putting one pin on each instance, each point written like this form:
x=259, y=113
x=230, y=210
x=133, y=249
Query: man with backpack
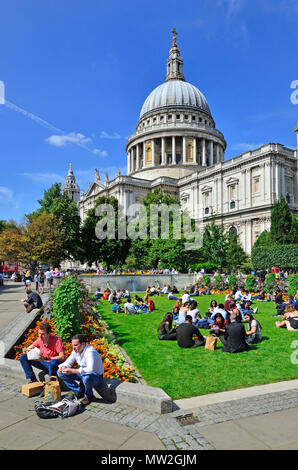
x=90, y=373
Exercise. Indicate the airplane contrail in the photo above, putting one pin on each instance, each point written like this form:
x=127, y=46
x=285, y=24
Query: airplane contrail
x=34, y=118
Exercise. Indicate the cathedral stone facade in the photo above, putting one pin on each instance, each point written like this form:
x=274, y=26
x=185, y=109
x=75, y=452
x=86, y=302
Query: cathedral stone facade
x=177, y=148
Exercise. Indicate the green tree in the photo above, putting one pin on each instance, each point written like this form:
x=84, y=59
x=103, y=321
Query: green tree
x=235, y=256
x=157, y=249
x=93, y=249
x=215, y=244
x=282, y=230
x=57, y=202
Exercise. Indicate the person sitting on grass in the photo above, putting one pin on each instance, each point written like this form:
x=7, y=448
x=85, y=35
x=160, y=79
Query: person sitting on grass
x=165, y=330
x=137, y=300
x=185, y=333
x=234, y=340
x=98, y=294
x=290, y=319
x=212, y=307
x=219, y=325
x=253, y=334
x=176, y=309
x=106, y=294
x=182, y=313
x=129, y=307
x=142, y=307
x=150, y=304
x=194, y=312
x=116, y=307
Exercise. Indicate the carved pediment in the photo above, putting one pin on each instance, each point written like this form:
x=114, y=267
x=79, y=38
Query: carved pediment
x=231, y=181
x=206, y=189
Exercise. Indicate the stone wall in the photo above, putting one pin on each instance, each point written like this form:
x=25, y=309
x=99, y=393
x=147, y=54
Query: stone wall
x=135, y=282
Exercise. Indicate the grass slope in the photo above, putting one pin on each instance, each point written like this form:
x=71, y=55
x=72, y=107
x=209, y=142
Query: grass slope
x=184, y=373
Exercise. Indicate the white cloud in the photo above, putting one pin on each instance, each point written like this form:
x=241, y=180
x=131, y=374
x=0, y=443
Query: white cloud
x=8, y=196
x=6, y=193
x=72, y=137
x=102, y=153
x=105, y=135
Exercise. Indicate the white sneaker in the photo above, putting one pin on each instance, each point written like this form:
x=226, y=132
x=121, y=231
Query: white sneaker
x=255, y=310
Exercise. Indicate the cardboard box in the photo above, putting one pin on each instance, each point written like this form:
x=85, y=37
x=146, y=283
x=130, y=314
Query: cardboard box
x=30, y=390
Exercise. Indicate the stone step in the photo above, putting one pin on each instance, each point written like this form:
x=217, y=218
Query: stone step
x=138, y=395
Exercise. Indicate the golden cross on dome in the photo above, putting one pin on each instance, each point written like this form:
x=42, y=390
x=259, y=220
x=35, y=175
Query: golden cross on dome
x=174, y=37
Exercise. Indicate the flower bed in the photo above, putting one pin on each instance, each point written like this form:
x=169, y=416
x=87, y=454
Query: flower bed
x=114, y=363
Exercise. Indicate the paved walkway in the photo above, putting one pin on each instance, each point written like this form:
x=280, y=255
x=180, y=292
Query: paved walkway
x=263, y=417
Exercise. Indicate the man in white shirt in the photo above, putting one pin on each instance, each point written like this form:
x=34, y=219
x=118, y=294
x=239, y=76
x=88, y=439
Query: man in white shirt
x=89, y=374
x=185, y=297
x=48, y=275
x=129, y=307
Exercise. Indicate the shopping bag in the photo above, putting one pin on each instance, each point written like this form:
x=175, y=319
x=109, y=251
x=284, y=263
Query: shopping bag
x=52, y=390
x=210, y=343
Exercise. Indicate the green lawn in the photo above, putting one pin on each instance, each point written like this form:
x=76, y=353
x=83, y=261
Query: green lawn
x=184, y=373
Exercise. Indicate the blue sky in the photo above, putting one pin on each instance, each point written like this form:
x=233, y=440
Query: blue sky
x=76, y=75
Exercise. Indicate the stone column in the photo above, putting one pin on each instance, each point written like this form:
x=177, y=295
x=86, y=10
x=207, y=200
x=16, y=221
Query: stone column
x=217, y=154
x=144, y=154
x=204, y=162
x=277, y=181
x=248, y=187
x=162, y=150
x=195, y=150
x=138, y=157
x=128, y=162
x=173, y=150
x=282, y=181
x=153, y=152
x=211, y=152
x=184, y=150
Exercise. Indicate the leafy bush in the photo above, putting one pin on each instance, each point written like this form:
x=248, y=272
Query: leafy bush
x=293, y=284
x=232, y=281
x=250, y=282
x=207, y=279
x=218, y=282
x=270, y=283
x=67, y=299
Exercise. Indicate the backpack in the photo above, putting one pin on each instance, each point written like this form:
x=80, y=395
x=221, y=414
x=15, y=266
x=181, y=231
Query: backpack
x=62, y=409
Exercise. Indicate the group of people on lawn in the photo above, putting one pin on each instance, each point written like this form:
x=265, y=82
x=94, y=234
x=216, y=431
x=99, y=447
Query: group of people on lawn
x=182, y=325
x=224, y=321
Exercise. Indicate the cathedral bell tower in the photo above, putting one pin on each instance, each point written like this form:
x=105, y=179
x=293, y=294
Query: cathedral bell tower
x=71, y=186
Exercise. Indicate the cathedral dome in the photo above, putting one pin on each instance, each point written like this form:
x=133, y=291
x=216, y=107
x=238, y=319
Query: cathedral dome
x=174, y=93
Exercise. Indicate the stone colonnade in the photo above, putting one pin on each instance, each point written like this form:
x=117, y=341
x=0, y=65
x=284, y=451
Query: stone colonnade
x=174, y=150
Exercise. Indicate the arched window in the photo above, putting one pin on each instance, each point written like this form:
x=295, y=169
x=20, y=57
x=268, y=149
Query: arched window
x=232, y=232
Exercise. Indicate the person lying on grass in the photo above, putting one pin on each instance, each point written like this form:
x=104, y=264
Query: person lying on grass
x=290, y=319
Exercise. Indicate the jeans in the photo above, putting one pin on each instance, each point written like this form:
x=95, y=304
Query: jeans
x=48, y=367
x=75, y=381
x=172, y=297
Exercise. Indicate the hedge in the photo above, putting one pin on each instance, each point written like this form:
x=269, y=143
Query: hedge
x=293, y=284
x=282, y=256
